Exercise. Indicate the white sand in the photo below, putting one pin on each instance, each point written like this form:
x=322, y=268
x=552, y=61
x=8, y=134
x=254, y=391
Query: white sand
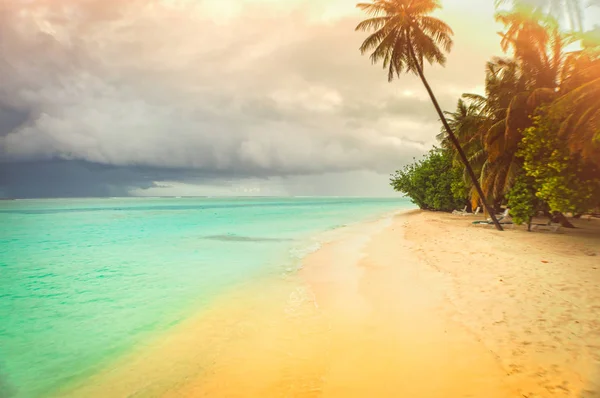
x=532, y=299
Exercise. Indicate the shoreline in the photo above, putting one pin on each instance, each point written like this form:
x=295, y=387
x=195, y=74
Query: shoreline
x=388, y=316
x=124, y=374
x=408, y=305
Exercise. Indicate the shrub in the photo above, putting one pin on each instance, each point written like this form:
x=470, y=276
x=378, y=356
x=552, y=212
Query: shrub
x=432, y=183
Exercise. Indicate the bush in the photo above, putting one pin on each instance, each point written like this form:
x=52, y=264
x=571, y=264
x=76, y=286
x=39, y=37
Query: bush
x=432, y=183
x=562, y=180
x=522, y=200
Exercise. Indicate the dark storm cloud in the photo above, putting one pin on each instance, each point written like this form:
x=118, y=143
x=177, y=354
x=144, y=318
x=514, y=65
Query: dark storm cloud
x=68, y=179
x=11, y=118
x=76, y=178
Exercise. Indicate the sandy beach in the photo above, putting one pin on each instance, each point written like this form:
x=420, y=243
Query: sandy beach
x=415, y=305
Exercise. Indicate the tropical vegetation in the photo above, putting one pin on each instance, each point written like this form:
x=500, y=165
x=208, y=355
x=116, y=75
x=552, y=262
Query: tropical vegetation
x=532, y=141
x=404, y=36
x=433, y=183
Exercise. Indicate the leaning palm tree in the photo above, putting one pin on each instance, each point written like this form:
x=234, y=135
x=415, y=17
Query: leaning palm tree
x=404, y=35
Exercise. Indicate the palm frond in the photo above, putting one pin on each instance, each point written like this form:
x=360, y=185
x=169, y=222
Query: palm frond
x=372, y=23
x=376, y=8
x=478, y=100
x=478, y=157
x=422, y=7
x=439, y=31
x=494, y=140
x=539, y=97
x=517, y=119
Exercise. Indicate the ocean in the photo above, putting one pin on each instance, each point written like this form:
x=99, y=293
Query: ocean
x=85, y=281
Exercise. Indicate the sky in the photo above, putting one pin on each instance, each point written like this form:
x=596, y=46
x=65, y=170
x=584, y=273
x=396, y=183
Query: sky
x=215, y=97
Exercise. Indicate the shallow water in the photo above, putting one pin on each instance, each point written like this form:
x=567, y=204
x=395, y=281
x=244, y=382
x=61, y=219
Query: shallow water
x=83, y=282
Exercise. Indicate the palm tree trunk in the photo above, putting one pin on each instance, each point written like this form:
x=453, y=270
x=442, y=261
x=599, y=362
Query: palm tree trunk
x=455, y=141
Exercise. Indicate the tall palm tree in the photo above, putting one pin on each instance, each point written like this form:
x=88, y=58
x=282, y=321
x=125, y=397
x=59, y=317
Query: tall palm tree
x=514, y=89
x=504, y=80
x=404, y=35
x=481, y=129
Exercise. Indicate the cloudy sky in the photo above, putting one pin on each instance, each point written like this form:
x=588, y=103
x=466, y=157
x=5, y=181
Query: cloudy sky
x=214, y=97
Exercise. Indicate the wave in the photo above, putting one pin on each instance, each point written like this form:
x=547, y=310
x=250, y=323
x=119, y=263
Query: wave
x=239, y=238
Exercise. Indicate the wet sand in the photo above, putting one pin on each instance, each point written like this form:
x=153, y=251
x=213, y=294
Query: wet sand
x=418, y=305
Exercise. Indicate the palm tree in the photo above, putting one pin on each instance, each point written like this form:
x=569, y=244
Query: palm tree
x=536, y=43
x=480, y=122
x=582, y=126
x=467, y=122
x=514, y=89
x=578, y=106
x=404, y=35
x=504, y=80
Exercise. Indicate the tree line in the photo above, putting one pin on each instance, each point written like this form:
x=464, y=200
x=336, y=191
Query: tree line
x=532, y=142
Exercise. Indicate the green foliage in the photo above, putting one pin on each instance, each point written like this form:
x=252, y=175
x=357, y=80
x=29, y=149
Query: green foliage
x=561, y=179
x=522, y=200
x=432, y=183
x=550, y=161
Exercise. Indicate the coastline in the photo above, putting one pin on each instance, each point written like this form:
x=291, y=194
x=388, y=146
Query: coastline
x=415, y=304
x=188, y=351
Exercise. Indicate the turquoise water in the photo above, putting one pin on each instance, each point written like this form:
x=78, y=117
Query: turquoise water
x=82, y=281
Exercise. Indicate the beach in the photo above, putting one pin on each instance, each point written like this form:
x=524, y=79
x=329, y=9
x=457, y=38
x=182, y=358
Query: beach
x=417, y=304
x=87, y=282
x=194, y=206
